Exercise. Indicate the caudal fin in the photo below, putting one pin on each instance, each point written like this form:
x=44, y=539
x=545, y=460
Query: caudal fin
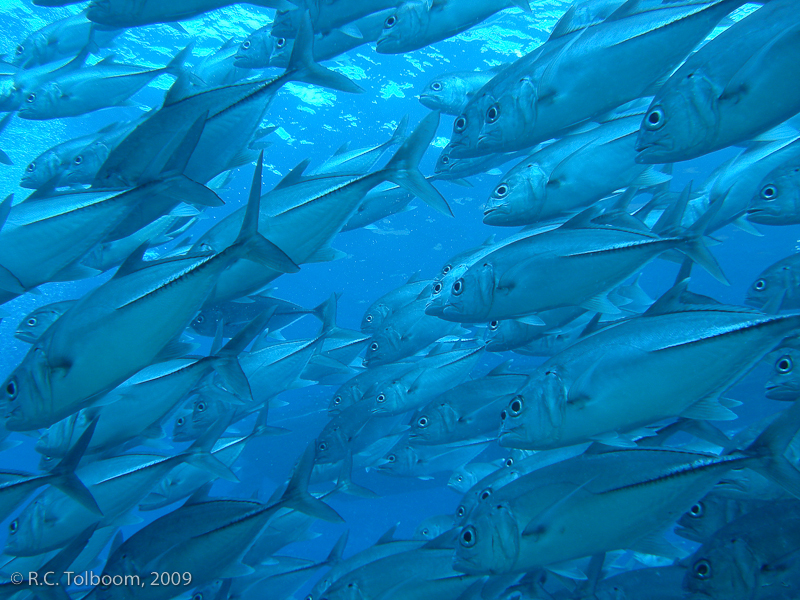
x=403, y=168
x=176, y=65
x=770, y=447
x=302, y=66
x=63, y=475
x=250, y=243
x=297, y=496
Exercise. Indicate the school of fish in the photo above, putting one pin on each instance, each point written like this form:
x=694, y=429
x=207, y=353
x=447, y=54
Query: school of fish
x=586, y=438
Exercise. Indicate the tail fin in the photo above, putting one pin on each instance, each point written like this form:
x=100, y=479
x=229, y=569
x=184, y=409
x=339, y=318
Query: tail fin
x=345, y=482
x=770, y=447
x=297, y=497
x=302, y=66
x=251, y=243
x=176, y=65
x=403, y=168
x=399, y=133
x=326, y=312
x=199, y=453
x=226, y=361
x=63, y=473
x=54, y=569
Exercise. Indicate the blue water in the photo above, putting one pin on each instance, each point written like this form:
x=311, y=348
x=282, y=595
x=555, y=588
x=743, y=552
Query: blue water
x=313, y=123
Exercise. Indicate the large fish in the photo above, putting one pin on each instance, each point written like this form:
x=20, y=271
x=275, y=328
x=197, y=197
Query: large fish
x=121, y=326
x=419, y=23
x=103, y=85
x=718, y=97
x=675, y=360
x=583, y=74
x=602, y=502
x=132, y=13
x=576, y=264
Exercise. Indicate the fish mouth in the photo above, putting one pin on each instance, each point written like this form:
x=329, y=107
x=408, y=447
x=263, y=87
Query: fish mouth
x=688, y=534
x=648, y=151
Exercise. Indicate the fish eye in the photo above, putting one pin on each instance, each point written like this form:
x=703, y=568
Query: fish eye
x=281, y=42
x=784, y=364
x=368, y=319
x=424, y=531
x=78, y=160
x=486, y=493
x=654, y=119
x=381, y=398
x=460, y=124
x=458, y=287
x=20, y=49
x=12, y=389
x=468, y=537
x=446, y=269
x=337, y=400
x=246, y=44
x=501, y=190
x=760, y=285
x=31, y=322
x=13, y=526
x=437, y=287
x=445, y=160
x=493, y=113
x=702, y=569
x=461, y=511
x=197, y=596
x=374, y=346
x=390, y=22
x=31, y=97
x=322, y=446
x=422, y=422
x=180, y=421
x=493, y=325
x=31, y=167
x=509, y=462
x=309, y=597
x=199, y=319
x=515, y=408
x=391, y=458
x=436, y=86
x=201, y=406
x=769, y=192
x=697, y=511
x=104, y=586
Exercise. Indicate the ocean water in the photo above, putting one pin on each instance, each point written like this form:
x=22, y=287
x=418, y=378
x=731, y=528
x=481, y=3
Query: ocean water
x=312, y=123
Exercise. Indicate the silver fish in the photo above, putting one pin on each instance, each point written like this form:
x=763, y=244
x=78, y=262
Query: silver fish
x=777, y=287
x=450, y=92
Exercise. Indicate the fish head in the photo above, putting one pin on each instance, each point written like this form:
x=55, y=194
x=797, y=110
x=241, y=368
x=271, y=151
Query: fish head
x=704, y=518
x=535, y=416
x=778, y=198
x=41, y=170
x=100, y=11
x=680, y=121
x=286, y=23
x=27, y=393
x=41, y=103
x=725, y=568
x=374, y=316
x=445, y=163
x=462, y=480
x=488, y=543
x=399, y=461
x=83, y=167
x=183, y=429
x=470, y=296
x=433, y=527
x=389, y=399
x=519, y=199
x=28, y=53
x=444, y=93
x=331, y=445
x=503, y=335
x=36, y=323
x=346, y=396
x=440, y=287
x=205, y=323
x=431, y=424
x=281, y=52
x=770, y=285
x=384, y=347
x=784, y=384
x=403, y=27
x=29, y=532
x=255, y=51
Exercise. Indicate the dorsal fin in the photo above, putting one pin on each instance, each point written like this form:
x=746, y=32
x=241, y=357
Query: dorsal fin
x=294, y=176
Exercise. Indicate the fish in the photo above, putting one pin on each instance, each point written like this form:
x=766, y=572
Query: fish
x=713, y=100
x=670, y=333
x=406, y=460
x=339, y=15
x=467, y=476
x=433, y=527
x=512, y=334
x=450, y=92
x=558, y=84
x=214, y=70
x=35, y=323
x=419, y=23
x=103, y=85
x=125, y=13
x=783, y=384
x=716, y=509
x=71, y=364
x=499, y=285
x=775, y=289
x=639, y=489
x=392, y=301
